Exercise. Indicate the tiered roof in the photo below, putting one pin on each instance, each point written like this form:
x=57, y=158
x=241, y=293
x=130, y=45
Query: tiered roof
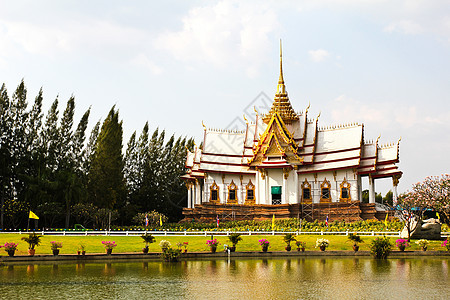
x=285, y=139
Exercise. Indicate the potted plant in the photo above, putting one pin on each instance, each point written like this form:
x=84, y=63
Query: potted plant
x=212, y=245
x=109, y=246
x=234, y=239
x=322, y=244
x=164, y=245
x=55, y=246
x=185, y=245
x=446, y=244
x=288, y=238
x=423, y=244
x=300, y=245
x=402, y=244
x=10, y=248
x=82, y=249
x=264, y=244
x=148, y=239
x=33, y=240
x=171, y=255
x=380, y=247
x=355, y=239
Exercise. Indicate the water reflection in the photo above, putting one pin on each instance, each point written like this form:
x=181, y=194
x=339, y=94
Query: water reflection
x=298, y=278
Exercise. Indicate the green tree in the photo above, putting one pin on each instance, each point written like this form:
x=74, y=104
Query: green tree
x=106, y=184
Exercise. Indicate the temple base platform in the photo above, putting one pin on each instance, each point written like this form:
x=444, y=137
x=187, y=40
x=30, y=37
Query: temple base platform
x=336, y=211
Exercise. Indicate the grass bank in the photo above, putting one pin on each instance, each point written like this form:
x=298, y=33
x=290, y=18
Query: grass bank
x=127, y=244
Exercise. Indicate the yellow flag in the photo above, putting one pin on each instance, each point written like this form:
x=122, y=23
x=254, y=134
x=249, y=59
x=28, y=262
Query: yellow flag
x=160, y=220
x=386, y=220
x=437, y=215
x=32, y=215
x=273, y=221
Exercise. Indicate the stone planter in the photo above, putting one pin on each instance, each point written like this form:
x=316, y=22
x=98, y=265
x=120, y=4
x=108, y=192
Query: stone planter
x=401, y=248
x=11, y=252
x=185, y=250
x=213, y=249
x=108, y=251
x=31, y=252
x=355, y=248
x=265, y=248
x=288, y=248
x=233, y=249
x=56, y=252
x=424, y=248
x=322, y=248
x=145, y=250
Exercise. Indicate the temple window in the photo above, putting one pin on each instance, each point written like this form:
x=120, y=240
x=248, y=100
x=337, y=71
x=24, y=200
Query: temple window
x=306, y=191
x=345, y=191
x=250, y=193
x=232, y=193
x=214, y=195
x=325, y=191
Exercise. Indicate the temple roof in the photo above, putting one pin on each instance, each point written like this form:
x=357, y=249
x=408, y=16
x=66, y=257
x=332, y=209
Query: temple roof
x=285, y=139
x=281, y=103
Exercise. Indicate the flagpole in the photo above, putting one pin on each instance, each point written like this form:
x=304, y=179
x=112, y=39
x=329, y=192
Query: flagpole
x=28, y=224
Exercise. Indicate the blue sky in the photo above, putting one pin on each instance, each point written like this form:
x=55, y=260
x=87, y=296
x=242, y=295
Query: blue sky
x=175, y=63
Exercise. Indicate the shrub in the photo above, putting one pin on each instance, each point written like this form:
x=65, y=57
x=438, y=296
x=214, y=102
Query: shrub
x=171, y=255
x=288, y=238
x=381, y=247
x=235, y=238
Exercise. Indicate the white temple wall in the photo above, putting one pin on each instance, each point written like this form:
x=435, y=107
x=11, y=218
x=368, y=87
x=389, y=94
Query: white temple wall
x=292, y=188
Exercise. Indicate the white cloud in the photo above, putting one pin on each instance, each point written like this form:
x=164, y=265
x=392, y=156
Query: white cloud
x=386, y=115
x=405, y=27
x=318, y=55
x=224, y=33
x=143, y=61
x=90, y=36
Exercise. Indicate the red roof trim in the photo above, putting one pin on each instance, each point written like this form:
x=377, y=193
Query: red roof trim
x=227, y=155
x=221, y=163
x=338, y=151
x=325, y=170
x=227, y=172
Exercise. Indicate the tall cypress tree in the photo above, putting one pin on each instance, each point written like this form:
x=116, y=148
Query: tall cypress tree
x=106, y=183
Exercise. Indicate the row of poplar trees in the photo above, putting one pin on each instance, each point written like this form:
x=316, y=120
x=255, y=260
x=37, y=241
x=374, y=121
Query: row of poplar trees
x=54, y=168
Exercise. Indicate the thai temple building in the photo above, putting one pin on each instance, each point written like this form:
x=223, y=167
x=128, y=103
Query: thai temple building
x=285, y=164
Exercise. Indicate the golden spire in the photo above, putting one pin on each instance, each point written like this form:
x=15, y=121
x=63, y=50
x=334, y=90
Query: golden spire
x=281, y=88
x=281, y=103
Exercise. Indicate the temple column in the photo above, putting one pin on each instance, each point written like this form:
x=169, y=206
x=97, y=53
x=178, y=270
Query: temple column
x=197, y=193
x=395, y=179
x=189, y=191
x=284, y=188
x=205, y=192
x=257, y=193
x=371, y=189
x=359, y=188
x=267, y=199
x=296, y=185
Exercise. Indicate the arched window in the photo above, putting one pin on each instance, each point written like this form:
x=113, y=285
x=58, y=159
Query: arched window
x=250, y=193
x=232, y=193
x=214, y=193
x=345, y=191
x=325, y=195
x=306, y=192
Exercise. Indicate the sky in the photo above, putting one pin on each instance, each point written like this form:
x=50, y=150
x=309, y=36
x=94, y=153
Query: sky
x=385, y=64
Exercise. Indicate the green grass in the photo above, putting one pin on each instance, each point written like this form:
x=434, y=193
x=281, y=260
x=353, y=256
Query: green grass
x=196, y=243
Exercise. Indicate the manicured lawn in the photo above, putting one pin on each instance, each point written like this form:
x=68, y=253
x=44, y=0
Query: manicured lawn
x=196, y=243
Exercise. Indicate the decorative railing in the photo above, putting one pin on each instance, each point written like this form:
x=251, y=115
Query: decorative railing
x=205, y=233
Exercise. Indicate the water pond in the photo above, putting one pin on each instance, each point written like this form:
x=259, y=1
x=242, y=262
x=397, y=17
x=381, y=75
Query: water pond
x=293, y=278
